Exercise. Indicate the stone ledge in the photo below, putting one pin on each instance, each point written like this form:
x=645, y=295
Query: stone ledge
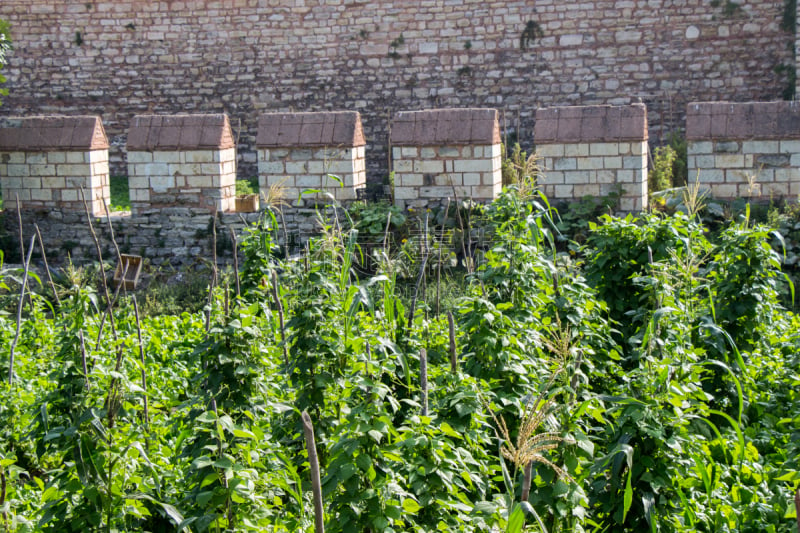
x=52, y=133
x=180, y=132
x=582, y=124
x=749, y=120
x=445, y=127
x=322, y=129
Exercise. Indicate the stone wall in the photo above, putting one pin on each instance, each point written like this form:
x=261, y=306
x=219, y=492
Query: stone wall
x=120, y=58
x=593, y=151
x=176, y=236
x=46, y=162
x=320, y=151
x=181, y=160
x=747, y=150
x=445, y=153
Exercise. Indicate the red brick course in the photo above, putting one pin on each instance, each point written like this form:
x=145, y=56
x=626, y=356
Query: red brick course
x=48, y=134
x=581, y=124
x=295, y=130
x=737, y=121
x=180, y=132
x=445, y=127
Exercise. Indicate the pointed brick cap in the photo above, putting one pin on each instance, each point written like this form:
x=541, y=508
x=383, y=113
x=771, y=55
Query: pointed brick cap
x=331, y=128
x=581, y=124
x=47, y=134
x=446, y=127
x=748, y=120
x=180, y=132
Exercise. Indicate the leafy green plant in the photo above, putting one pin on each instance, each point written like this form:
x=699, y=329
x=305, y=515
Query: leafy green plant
x=659, y=177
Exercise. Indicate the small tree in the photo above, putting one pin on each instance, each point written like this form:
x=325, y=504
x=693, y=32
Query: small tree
x=5, y=46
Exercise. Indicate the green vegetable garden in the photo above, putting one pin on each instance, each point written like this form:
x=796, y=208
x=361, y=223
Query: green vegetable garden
x=644, y=379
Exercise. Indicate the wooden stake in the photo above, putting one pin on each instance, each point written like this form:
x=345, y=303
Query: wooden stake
x=423, y=379
x=452, y=333
x=279, y=305
x=313, y=462
x=19, y=311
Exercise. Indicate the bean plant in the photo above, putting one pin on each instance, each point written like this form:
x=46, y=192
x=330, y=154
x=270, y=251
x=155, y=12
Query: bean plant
x=642, y=379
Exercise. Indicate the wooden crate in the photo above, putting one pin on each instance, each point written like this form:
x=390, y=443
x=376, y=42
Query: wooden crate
x=247, y=204
x=134, y=265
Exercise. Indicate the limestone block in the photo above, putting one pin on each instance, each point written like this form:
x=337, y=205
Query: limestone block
x=54, y=183
x=161, y=183
x=761, y=147
x=550, y=150
x=725, y=190
x=201, y=156
x=212, y=169
x=576, y=150
x=562, y=191
x=729, y=161
x=97, y=156
x=271, y=167
x=42, y=195
x=565, y=163
x=305, y=181
x=409, y=180
x=639, y=148
x=405, y=193
x=33, y=158
x=586, y=163
x=140, y=157
x=449, y=151
x=43, y=170
x=577, y=177
x=700, y=147
x=484, y=192
x=603, y=149
x=612, y=162
x=428, y=166
x=18, y=170
x=403, y=165
x=56, y=157
x=470, y=178
x=294, y=167
x=77, y=157
x=316, y=166
x=790, y=147
x=634, y=162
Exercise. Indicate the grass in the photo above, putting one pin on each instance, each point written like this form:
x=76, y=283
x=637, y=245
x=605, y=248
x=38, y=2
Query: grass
x=120, y=197
x=247, y=186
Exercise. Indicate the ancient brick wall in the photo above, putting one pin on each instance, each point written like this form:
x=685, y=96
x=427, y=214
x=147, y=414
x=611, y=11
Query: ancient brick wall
x=745, y=150
x=245, y=57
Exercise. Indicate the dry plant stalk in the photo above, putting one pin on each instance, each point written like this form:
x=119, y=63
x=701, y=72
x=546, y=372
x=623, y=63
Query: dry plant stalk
x=235, y=261
x=451, y=326
x=46, y=266
x=694, y=199
x=530, y=446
